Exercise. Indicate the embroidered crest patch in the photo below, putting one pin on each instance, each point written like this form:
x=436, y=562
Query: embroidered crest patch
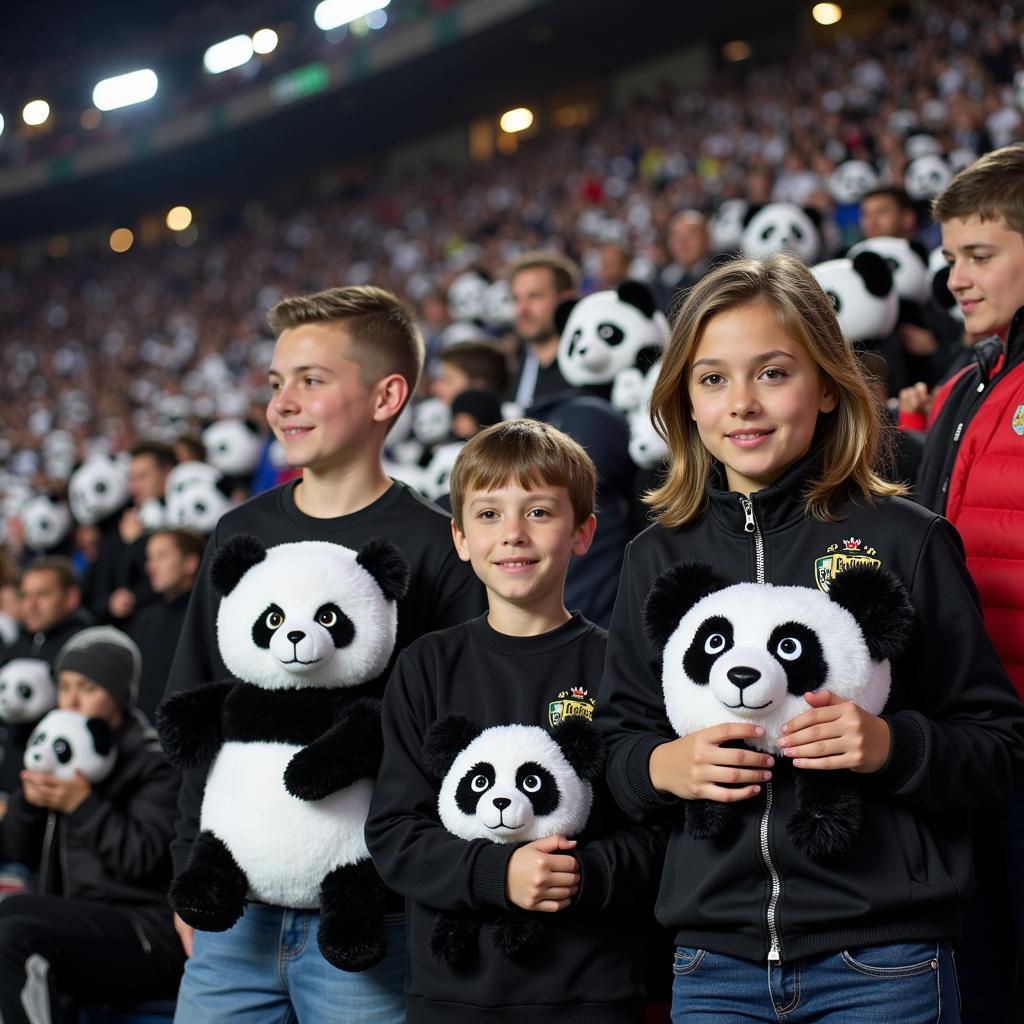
x=570, y=704
x=1018, y=421
x=837, y=558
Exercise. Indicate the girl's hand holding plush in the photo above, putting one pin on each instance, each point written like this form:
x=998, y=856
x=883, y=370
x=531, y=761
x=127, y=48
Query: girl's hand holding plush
x=539, y=878
x=836, y=734
x=42, y=789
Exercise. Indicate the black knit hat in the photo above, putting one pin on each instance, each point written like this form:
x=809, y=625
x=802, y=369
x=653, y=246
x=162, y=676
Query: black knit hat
x=106, y=656
x=482, y=404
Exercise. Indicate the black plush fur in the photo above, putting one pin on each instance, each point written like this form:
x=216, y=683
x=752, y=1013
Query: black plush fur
x=583, y=746
x=513, y=933
x=875, y=271
x=826, y=818
x=879, y=602
x=102, y=737
x=562, y=313
x=445, y=740
x=189, y=724
x=638, y=295
x=234, y=558
x=674, y=593
x=706, y=818
x=453, y=939
x=384, y=562
x=210, y=893
x=351, y=932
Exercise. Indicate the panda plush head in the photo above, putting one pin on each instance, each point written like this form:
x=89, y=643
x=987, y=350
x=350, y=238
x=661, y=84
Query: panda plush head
x=781, y=227
x=233, y=446
x=863, y=294
x=431, y=421
x=305, y=614
x=499, y=308
x=851, y=181
x=608, y=331
x=98, y=489
x=726, y=225
x=749, y=652
x=908, y=262
x=926, y=176
x=434, y=480
x=47, y=522
x=197, y=504
x=938, y=285
x=466, y=296
x=27, y=690
x=65, y=742
x=514, y=783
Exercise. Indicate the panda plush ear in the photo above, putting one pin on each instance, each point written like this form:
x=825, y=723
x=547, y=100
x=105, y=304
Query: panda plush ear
x=814, y=216
x=234, y=558
x=102, y=737
x=674, y=593
x=875, y=272
x=879, y=602
x=384, y=562
x=445, y=740
x=637, y=294
x=562, y=311
x=583, y=746
x=920, y=249
x=752, y=211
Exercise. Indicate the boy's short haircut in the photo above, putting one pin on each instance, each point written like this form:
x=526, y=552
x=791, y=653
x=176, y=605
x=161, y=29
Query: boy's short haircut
x=193, y=444
x=63, y=568
x=529, y=453
x=898, y=195
x=990, y=188
x=383, y=335
x=565, y=272
x=188, y=542
x=480, y=362
x=162, y=454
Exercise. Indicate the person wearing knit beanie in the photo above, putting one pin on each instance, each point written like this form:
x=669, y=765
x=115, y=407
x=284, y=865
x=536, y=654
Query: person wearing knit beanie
x=107, y=659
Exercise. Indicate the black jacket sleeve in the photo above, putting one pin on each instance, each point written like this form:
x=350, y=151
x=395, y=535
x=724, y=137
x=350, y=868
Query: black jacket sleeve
x=22, y=830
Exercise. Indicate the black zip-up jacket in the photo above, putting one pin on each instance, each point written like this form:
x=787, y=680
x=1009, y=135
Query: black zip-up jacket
x=957, y=737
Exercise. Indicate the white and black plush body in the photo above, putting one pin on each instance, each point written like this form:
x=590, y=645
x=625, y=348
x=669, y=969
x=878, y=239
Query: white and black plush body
x=294, y=743
x=748, y=653
x=863, y=294
x=508, y=784
x=65, y=742
x=27, y=690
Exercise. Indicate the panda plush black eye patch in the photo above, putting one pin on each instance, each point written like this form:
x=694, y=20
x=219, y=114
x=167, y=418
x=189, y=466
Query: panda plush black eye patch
x=539, y=785
x=477, y=781
x=337, y=623
x=713, y=638
x=798, y=649
x=610, y=334
x=63, y=750
x=266, y=625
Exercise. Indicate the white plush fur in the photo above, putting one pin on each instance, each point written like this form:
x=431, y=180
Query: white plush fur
x=506, y=747
x=862, y=316
x=89, y=503
x=33, y=674
x=781, y=227
x=300, y=578
x=232, y=446
x=754, y=611
x=284, y=845
x=909, y=270
x=69, y=726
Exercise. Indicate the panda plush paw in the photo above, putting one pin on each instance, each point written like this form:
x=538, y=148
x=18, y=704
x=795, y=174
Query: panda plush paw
x=706, y=818
x=826, y=820
x=453, y=940
x=513, y=934
x=210, y=893
x=351, y=932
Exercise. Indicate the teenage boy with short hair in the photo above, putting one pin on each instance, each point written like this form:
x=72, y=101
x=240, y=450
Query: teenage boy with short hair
x=345, y=363
x=522, y=502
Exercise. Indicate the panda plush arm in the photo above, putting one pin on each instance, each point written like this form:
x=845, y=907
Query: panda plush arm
x=190, y=724
x=414, y=853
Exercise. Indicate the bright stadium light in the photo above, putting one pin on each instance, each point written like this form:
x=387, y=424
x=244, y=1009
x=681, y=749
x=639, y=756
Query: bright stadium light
x=517, y=120
x=264, y=41
x=1, y=124
x=179, y=218
x=121, y=239
x=124, y=90
x=227, y=54
x=35, y=112
x=334, y=13
x=826, y=14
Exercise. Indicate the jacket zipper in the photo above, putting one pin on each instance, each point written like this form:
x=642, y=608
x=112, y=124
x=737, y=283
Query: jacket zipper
x=775, y=949
x=44, y=863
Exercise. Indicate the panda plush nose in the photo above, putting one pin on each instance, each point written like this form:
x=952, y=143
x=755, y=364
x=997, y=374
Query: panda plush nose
x=741, y=677
x=501, y=802
x=296, y=635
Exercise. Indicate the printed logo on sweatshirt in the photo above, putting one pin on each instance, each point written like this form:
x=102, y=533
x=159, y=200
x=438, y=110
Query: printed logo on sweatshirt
x=837, y=559
x=1018, y=421
x=570, y=703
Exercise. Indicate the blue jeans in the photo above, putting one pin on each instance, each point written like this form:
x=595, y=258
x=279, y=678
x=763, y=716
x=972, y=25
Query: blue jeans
x=907, y=982
x=267, y=969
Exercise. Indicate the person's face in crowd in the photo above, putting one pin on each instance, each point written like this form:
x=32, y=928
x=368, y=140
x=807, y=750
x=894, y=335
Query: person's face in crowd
x=883, y=217
x=146, y=479
x=44, y=601
x=536, y=298
x=449, y=381
x=613, y=267
x=688, y=241
x=320, y=409
x=76, y=692
x=170, y=570
x=755, y=395
x=986, y=272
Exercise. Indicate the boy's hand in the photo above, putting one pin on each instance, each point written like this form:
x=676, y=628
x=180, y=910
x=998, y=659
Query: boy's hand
x=836, y=734
x=539, y=878
x=916, y=400
x=42, y=789
x=186, y=933
x=695, y=767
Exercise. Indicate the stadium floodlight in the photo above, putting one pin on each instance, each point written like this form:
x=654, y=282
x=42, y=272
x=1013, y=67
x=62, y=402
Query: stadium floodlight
x=335, y=13
x=827, y=14
x=124, y=90
x=517, y=120
x=35, y=112
x=228, y=54
x=264, y=40
x=1, y=124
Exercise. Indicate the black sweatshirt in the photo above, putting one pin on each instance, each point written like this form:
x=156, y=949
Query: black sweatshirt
x=442, y=590
x=957, y=736
x=588, y=964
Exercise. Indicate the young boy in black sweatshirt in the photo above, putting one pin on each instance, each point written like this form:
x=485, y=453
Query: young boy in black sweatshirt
x=522, y=504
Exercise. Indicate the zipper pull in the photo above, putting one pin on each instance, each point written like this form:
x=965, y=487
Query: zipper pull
x=774, y=957
x=748, y=512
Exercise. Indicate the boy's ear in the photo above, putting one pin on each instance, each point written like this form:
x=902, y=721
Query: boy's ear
x=445, y=740
x=392, y=393
x=583, y=536
x=459, y=540
x=674, y=593
x=583, y=746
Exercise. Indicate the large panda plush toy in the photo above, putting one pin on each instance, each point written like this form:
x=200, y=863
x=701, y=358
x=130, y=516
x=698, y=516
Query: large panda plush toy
x=863, y=294
x=294, y=742
x=66, y=742
x=27, y=690
x=781, y=227
x=749, y=652
x=508, y=784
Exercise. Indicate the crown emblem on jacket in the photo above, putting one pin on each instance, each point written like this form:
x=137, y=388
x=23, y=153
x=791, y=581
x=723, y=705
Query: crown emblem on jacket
x=578, y=692
x=853, y=544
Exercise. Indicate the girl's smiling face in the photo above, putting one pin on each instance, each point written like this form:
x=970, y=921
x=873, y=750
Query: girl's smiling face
x=755, y=396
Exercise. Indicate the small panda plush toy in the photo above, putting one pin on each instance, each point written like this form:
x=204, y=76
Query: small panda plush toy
x=293, y=742
x=863, y=294
x=781, y=227
x=65, y=742
x=234, y=447
x=196, y=496
x=47, y=523
x=98, y=489
x=27, y=690
x=749, y=652
x=508, y=784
